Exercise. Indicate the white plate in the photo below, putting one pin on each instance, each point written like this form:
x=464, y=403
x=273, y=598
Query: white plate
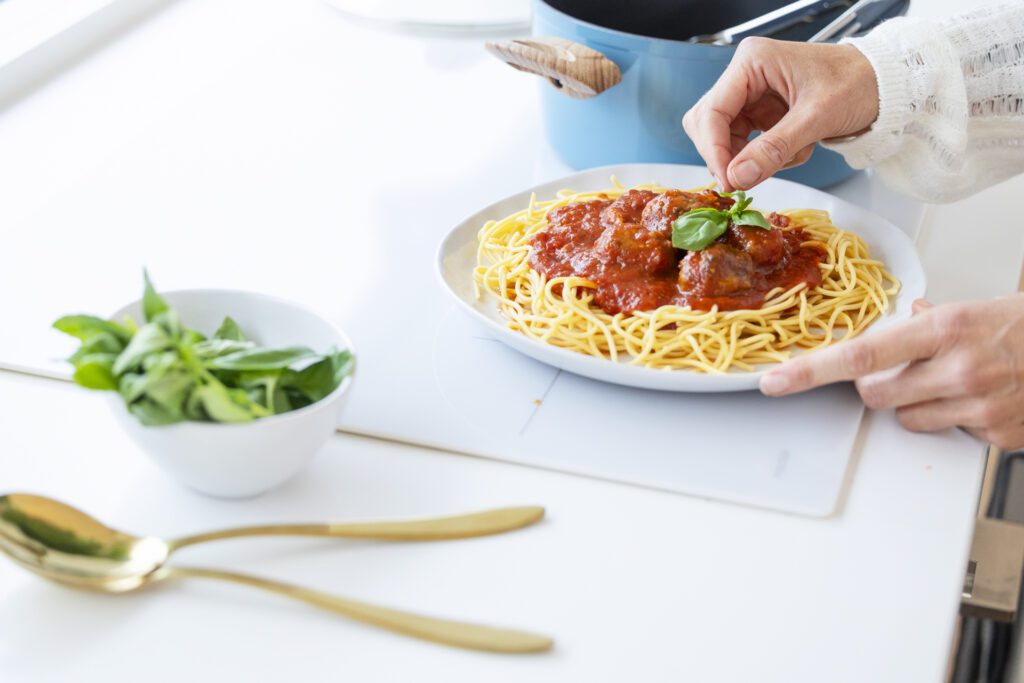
x=456, y=260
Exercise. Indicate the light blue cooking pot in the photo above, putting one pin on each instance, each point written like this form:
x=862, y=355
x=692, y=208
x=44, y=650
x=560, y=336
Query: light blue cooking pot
x=638, y=118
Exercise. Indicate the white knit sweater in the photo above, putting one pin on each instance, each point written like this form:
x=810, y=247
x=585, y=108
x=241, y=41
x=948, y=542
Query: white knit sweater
x=951, y=103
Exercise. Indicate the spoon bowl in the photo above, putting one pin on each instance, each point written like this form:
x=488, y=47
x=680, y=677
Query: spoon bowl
x=66, y=545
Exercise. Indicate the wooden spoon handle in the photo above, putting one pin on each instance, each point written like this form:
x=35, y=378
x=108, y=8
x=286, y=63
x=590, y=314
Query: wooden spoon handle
x=484, y=523
x=575, y=69
x=444, y=631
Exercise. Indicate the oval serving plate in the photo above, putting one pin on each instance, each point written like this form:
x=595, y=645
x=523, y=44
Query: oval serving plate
x=456, y=259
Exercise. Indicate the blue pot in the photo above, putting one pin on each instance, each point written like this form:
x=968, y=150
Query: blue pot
x=638, y=119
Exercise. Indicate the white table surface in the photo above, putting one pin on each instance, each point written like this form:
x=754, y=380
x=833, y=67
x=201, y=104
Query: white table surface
x=635, y=585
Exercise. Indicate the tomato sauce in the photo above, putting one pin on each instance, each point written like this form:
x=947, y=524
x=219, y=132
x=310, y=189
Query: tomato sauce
x=625, y=247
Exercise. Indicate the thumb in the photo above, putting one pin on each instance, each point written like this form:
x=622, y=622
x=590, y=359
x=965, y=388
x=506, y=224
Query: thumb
x=770, y=151
x=921, y=305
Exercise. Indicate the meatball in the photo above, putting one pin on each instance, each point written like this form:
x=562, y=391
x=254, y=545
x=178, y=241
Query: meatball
x=627, y=209
x=585, y=216
x=766, y=247
x=719, y=270
x=667, y=206
x=634, y=246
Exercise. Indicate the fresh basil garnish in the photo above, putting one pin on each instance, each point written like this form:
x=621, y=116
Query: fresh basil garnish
x=696, y=230
x=168, y=373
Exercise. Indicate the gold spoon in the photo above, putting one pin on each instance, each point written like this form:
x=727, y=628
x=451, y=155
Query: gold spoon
x=65, y=545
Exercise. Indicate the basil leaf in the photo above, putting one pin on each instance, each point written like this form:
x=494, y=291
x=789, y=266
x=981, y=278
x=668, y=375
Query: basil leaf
x=170, y=322
x=319, y=379
x=280, y=401
x=229, y=329
x=93, y=372
x=190, y=337
x=220, y=405
x=218, y=346
x=149, y=339
x=262, y=359
x=153, y=415
x=156, y=364
x=697, y=229
x=85, y=327
x=314, y=381
x=152, y=303
x=132, y=386
x=751, y=217
x=742, y=202
x=344, y=363
x=171, y=390
x=167, y=373
x=103, y=342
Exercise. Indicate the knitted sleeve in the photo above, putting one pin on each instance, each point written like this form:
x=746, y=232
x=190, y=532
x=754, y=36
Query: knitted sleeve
x=951, y=103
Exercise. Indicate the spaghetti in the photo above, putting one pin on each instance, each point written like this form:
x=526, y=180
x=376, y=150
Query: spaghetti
x=854, y=290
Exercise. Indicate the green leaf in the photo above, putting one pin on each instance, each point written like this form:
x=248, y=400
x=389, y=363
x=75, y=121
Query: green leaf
x=211, y=348
x=262, y=359
x=219, y=405
x=314, y=381
x=132, y=386
x=152, y=303
x=150, y=338
x=319, y=379
x=280, y=402
x=156, y=364
x=152, y=414
x=190, y=336
x=344, y=363
x=103, y=342
x=85, y=327
x=194, y=408
x=94, y=372
x=171, y=390
x=229, y=329
x=697, y=229
x=751, y=217
x=170, y=322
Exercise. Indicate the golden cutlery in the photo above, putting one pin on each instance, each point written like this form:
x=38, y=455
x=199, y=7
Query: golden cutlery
x=65, y=545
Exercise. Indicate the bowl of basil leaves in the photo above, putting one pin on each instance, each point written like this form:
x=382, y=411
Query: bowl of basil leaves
x=230, y=392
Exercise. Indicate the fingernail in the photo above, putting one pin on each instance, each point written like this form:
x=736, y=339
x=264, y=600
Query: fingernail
x=774, y=383
x=746, y=174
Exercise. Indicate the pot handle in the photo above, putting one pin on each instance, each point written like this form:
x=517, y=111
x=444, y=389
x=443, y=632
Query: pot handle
x=575, y=69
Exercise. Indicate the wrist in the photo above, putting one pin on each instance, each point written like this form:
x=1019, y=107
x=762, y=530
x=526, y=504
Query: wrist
x=857, y=71
x=885, y=107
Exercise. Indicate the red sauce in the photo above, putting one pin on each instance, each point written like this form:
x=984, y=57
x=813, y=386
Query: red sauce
x=625, y=248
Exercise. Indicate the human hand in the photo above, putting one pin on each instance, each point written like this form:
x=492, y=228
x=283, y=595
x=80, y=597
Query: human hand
x=795, y=93
x=966, y=369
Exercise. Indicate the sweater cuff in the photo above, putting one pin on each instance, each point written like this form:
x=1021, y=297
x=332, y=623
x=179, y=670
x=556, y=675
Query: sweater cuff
x=882, y=48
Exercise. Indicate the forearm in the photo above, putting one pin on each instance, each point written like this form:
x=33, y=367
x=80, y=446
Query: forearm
x=951, y=103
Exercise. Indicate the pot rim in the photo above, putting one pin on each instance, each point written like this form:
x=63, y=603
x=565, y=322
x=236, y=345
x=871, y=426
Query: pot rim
x=638, y=41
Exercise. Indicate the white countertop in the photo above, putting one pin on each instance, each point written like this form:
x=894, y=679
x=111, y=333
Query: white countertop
x=272, y=113
x=634, y=585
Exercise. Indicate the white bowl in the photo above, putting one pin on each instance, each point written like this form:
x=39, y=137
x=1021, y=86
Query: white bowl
x=242, y=459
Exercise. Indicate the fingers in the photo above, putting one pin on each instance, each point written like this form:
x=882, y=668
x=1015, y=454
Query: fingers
x=771, y=151
x=913, y=339
x=920, y=306
x=1008, y=437
x=933, y=416
x=801, y=157
x=708, y=122
x=922, y=381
